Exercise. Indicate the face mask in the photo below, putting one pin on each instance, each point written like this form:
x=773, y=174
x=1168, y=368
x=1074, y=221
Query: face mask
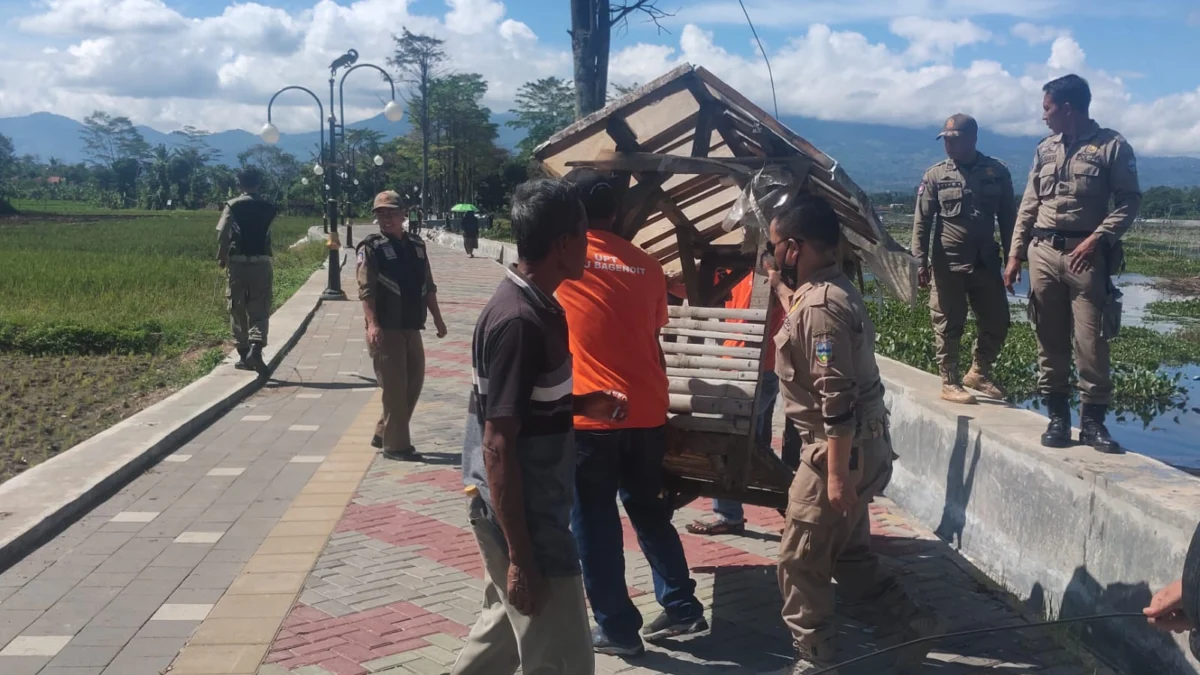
x=767, y=261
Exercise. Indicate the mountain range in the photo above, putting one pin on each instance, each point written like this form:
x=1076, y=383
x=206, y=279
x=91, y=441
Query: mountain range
x=878, y=157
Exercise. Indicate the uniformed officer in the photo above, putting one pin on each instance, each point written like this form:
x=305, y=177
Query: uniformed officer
x=244, y=251
x=968, y=193
x=396, y=287
x=1072, y=240
x=832, y=390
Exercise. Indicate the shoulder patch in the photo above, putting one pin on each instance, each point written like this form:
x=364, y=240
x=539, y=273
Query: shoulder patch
x=823, y=350
x=362, y=256
x=1132, y=165
x=921, y=189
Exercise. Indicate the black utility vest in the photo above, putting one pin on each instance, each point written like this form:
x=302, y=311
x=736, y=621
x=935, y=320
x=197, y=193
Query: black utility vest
x=403, y=266
x=252, y=226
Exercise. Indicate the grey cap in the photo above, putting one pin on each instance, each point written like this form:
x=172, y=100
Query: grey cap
x=959, y=125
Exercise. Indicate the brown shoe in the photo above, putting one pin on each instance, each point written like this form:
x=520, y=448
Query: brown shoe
x=980, y=380
x=953, y=392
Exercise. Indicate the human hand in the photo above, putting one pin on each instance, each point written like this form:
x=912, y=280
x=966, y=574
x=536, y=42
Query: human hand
x=1166, y=610
x=923, y=276
x=374, y=335
x=841, y=495
x=1012, y=274
x=526, y=588
x=441, y=327
x=1081, y=258
x=606, y=405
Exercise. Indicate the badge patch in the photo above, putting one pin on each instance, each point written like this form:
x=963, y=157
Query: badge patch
x=991, y=172
x=824, y=351
x=389, y=252
x=920, y=189
x=1133, y=166
x=361, y=256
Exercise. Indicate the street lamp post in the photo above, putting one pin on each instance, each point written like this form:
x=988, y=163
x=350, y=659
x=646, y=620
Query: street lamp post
x=332, y=171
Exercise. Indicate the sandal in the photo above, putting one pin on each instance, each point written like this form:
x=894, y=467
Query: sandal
x=715, y=527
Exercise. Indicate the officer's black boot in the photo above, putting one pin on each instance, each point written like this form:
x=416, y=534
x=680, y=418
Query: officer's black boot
x=241, y=362
x=1093, y=432
x=255, y=360
x=1058, y=432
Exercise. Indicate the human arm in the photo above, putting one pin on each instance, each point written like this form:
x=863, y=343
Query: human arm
x=367, y=274
x=923, y=215
x=1127, y=202
x=1165, y=611
x=1006, y=215
x=525, y=584
x=224, y=237
x=1027, y=212
x=828, y=331
x=431, y=301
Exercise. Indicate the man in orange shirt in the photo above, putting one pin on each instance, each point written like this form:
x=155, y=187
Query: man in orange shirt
x=615, y=313
x=730, y=517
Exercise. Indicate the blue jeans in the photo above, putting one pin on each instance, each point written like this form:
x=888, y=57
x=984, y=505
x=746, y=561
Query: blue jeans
x=627, y=463
x=730, y=510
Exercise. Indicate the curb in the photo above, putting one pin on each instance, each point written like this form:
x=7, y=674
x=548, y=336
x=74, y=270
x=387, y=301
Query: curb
x=87, y=473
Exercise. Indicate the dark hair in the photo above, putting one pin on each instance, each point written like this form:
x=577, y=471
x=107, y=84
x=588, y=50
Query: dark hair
x=1071, y=89
x=249, y=178
x=595, y=191
x=544, y=210
x=810, y=219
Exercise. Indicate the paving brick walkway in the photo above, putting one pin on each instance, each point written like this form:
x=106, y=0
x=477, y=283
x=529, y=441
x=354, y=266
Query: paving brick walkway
x=277, y=537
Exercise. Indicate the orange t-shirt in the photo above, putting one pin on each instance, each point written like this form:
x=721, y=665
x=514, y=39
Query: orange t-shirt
x=614, y=314
x=740, y=299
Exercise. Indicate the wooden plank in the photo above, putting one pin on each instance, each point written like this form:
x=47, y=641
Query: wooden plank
x=710, y=362
x=759, y=315
x=703, y=137
x=640, y=202
x=739, y=427
x=738, y=330
x=712, y=374
x=618, y=130
x=711, y=405
x=676, y=164
x=711, y=387
x=712, y=335
x=711, y=350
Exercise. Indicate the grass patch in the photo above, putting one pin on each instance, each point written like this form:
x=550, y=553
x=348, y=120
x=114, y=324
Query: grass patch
x=126, y=285
x=1175, y=309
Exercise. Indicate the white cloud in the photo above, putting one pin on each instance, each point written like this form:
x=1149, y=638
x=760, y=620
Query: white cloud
x=1036, y=35
x=71, y=17
x=143, y=59
x=841, y=75
x=805, y=12
x=932, y=39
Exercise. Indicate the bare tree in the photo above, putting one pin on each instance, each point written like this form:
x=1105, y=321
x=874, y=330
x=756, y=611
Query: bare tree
x=592, y=22
x=419, y=58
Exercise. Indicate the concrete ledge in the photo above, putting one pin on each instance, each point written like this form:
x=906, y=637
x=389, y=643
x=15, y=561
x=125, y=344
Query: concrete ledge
x=1071, y=532
x=51, y=494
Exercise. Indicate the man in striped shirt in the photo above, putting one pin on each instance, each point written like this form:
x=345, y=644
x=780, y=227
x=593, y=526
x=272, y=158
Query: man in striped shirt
x=519, y=453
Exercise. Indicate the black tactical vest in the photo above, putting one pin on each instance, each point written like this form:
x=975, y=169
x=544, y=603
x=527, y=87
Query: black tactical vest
x=252, y=217
x=400, y=294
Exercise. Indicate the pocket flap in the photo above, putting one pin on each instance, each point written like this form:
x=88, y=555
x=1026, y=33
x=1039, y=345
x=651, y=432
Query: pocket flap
x=1085, y=169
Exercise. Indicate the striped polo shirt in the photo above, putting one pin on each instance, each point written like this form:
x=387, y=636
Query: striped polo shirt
x=521, y=367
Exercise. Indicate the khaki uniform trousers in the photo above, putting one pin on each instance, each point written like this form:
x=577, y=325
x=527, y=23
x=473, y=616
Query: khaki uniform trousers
x=983, y=289
x=400, y=372
x=820, y=545
x=249, y=292
x=557, y=641
x=1067, y=311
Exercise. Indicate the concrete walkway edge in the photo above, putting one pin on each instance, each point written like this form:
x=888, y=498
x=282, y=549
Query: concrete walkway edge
x=84, y=474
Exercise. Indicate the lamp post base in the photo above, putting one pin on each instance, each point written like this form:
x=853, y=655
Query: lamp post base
x=333, y=294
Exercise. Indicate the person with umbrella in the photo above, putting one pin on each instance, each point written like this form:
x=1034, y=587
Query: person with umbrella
x=470, y=228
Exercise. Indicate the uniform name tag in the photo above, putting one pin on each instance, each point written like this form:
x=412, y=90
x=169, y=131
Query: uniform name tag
x=388, y=251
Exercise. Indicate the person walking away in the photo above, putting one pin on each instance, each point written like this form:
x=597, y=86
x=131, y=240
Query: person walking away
x=832, y=390
x=470, y=230
x=615, y=312
x=519, y=456
x=395, y=284
x=244, y=252
x=967, y=195
x=1072, y=240
x=729, y=516
x=414, y=221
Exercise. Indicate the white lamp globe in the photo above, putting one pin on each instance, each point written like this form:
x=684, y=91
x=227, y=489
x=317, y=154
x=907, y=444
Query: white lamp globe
x=378, y=160
x=318, y=170
x=393, y=112
x=269, y=134
x=356, y=181
x=304, y=180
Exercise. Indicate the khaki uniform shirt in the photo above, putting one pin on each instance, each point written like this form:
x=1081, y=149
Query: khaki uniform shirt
x=968, y=201
x=1070, y=188
x=825, y=358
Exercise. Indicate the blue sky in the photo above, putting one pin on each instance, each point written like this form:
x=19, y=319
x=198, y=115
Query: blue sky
x=210, y=63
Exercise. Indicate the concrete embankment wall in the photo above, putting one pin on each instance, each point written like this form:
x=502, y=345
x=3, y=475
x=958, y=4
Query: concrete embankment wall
x=1069, y=532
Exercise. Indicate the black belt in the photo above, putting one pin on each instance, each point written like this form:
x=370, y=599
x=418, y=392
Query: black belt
x=1058, y=238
